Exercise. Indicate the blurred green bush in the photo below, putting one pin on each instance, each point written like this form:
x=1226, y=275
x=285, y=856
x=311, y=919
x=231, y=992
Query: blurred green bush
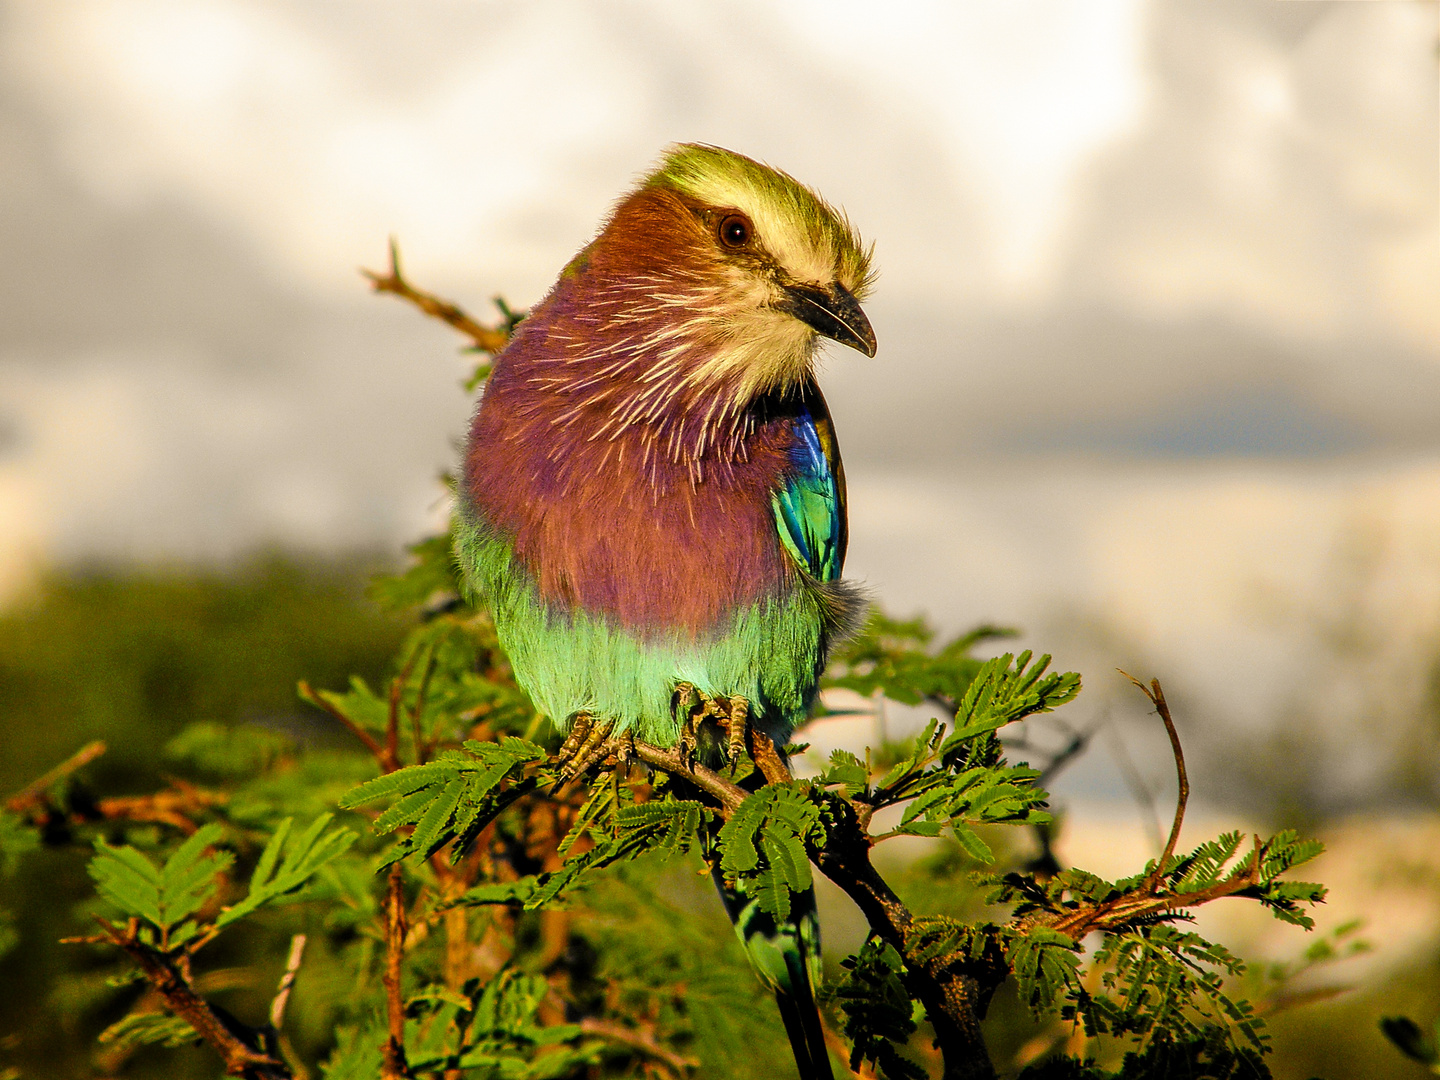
x=132, y=656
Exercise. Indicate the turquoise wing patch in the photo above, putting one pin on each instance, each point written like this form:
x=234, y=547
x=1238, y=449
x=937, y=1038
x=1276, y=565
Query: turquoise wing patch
x=810, y=507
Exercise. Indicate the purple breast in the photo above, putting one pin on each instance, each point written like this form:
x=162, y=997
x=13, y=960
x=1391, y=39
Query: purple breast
x=629, y=520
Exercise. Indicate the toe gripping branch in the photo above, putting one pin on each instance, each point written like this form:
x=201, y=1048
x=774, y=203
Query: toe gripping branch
x=694, y=709
x=592, y=740
x=589, y=743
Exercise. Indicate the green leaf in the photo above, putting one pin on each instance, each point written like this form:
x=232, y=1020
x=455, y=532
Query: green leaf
x=765, y=842
x=879, y=1013
x=286, y=864
x=448, y=799
x=149, y=1028
x=666, y=826
x=976, y=848
x=161, y=895
x=846, y=770
x=1001, y=694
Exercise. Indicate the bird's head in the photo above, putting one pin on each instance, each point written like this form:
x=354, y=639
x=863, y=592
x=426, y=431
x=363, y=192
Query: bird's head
x=734, y=270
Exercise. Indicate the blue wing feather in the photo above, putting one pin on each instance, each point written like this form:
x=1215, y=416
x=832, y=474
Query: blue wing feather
x=810, y=503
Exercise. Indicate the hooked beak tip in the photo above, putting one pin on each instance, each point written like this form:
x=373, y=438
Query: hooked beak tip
x=833, y=313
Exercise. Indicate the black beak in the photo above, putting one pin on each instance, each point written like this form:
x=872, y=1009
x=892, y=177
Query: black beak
x=833, y=312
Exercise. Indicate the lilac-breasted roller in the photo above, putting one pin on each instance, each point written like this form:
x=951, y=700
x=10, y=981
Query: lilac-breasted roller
x=652, y=502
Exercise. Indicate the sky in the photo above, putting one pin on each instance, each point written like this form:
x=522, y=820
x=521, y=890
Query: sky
x=1159, y=305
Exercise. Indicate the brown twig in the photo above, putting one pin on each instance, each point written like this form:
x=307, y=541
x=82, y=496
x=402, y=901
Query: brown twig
x=240, y=1047
x=638, y=1040
x=767, y=758
x=34, y=792
x=1157, y=699
x=391, y=761
x=282, y=995
x=729, y=795
x=486, y=338
x=422, y=750
x=277, y=1009
x=177, y=807
x=395, y=1066
x=314, y=698
x=1146, y=902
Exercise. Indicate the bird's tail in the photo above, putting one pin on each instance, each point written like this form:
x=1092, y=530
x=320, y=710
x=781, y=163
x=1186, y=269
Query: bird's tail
x=786, y=957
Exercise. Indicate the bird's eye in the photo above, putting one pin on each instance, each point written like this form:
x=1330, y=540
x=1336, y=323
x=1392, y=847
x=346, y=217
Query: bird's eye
x=734, y=230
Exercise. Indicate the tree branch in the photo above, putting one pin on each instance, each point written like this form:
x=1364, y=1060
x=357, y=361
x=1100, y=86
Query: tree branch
x=34, y=793
x=292, y=968
x=486, y=338
x=1146, y=902
x=395, y=1066
x=241, y=1047
x=729, y=795
x=1157, y=698
x=314, y=698
x=638, y=1040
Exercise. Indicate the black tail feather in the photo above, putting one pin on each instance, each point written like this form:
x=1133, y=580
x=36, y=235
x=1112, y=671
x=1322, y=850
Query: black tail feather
x=791, y=1014
x=812, y=1033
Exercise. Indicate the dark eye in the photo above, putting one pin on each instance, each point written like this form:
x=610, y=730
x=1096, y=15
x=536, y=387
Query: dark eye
x=734, y=230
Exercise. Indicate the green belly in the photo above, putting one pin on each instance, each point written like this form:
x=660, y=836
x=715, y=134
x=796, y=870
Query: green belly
x=770, y=653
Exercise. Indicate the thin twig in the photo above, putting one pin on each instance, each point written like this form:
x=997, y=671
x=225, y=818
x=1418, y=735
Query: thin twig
x=239, y=1047
x=395, y=1066
x=638, y=1040
x=729, y=795
x=391, y=761
x=34, y=791
x=292, y=968
x=422, y=749
x=1078, y=744
x=1157, y=698
x=178, y=806
x=312, y=696
x=486, y=338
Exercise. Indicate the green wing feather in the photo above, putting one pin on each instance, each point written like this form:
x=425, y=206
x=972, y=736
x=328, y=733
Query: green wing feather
x=810, y=506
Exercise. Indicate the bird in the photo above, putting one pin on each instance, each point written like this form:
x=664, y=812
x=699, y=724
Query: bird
x=652, y=502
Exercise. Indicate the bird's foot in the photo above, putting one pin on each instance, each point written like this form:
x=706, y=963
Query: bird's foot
x=594, y=746
x=737, y=730
x=624, y=746
x=693, y=708
x=580, y=725
x=684, y=702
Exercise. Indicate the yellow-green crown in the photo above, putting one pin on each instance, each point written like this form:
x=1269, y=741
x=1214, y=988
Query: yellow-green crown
x=808, y=237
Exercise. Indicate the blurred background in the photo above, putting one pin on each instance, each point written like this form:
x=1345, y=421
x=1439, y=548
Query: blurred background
x=1158, y=382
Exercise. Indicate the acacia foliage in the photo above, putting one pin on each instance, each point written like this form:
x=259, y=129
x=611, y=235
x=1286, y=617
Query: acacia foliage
x=487, y=850
x=470, y=908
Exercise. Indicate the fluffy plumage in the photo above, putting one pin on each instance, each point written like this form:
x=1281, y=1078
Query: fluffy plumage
x=652, y=490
